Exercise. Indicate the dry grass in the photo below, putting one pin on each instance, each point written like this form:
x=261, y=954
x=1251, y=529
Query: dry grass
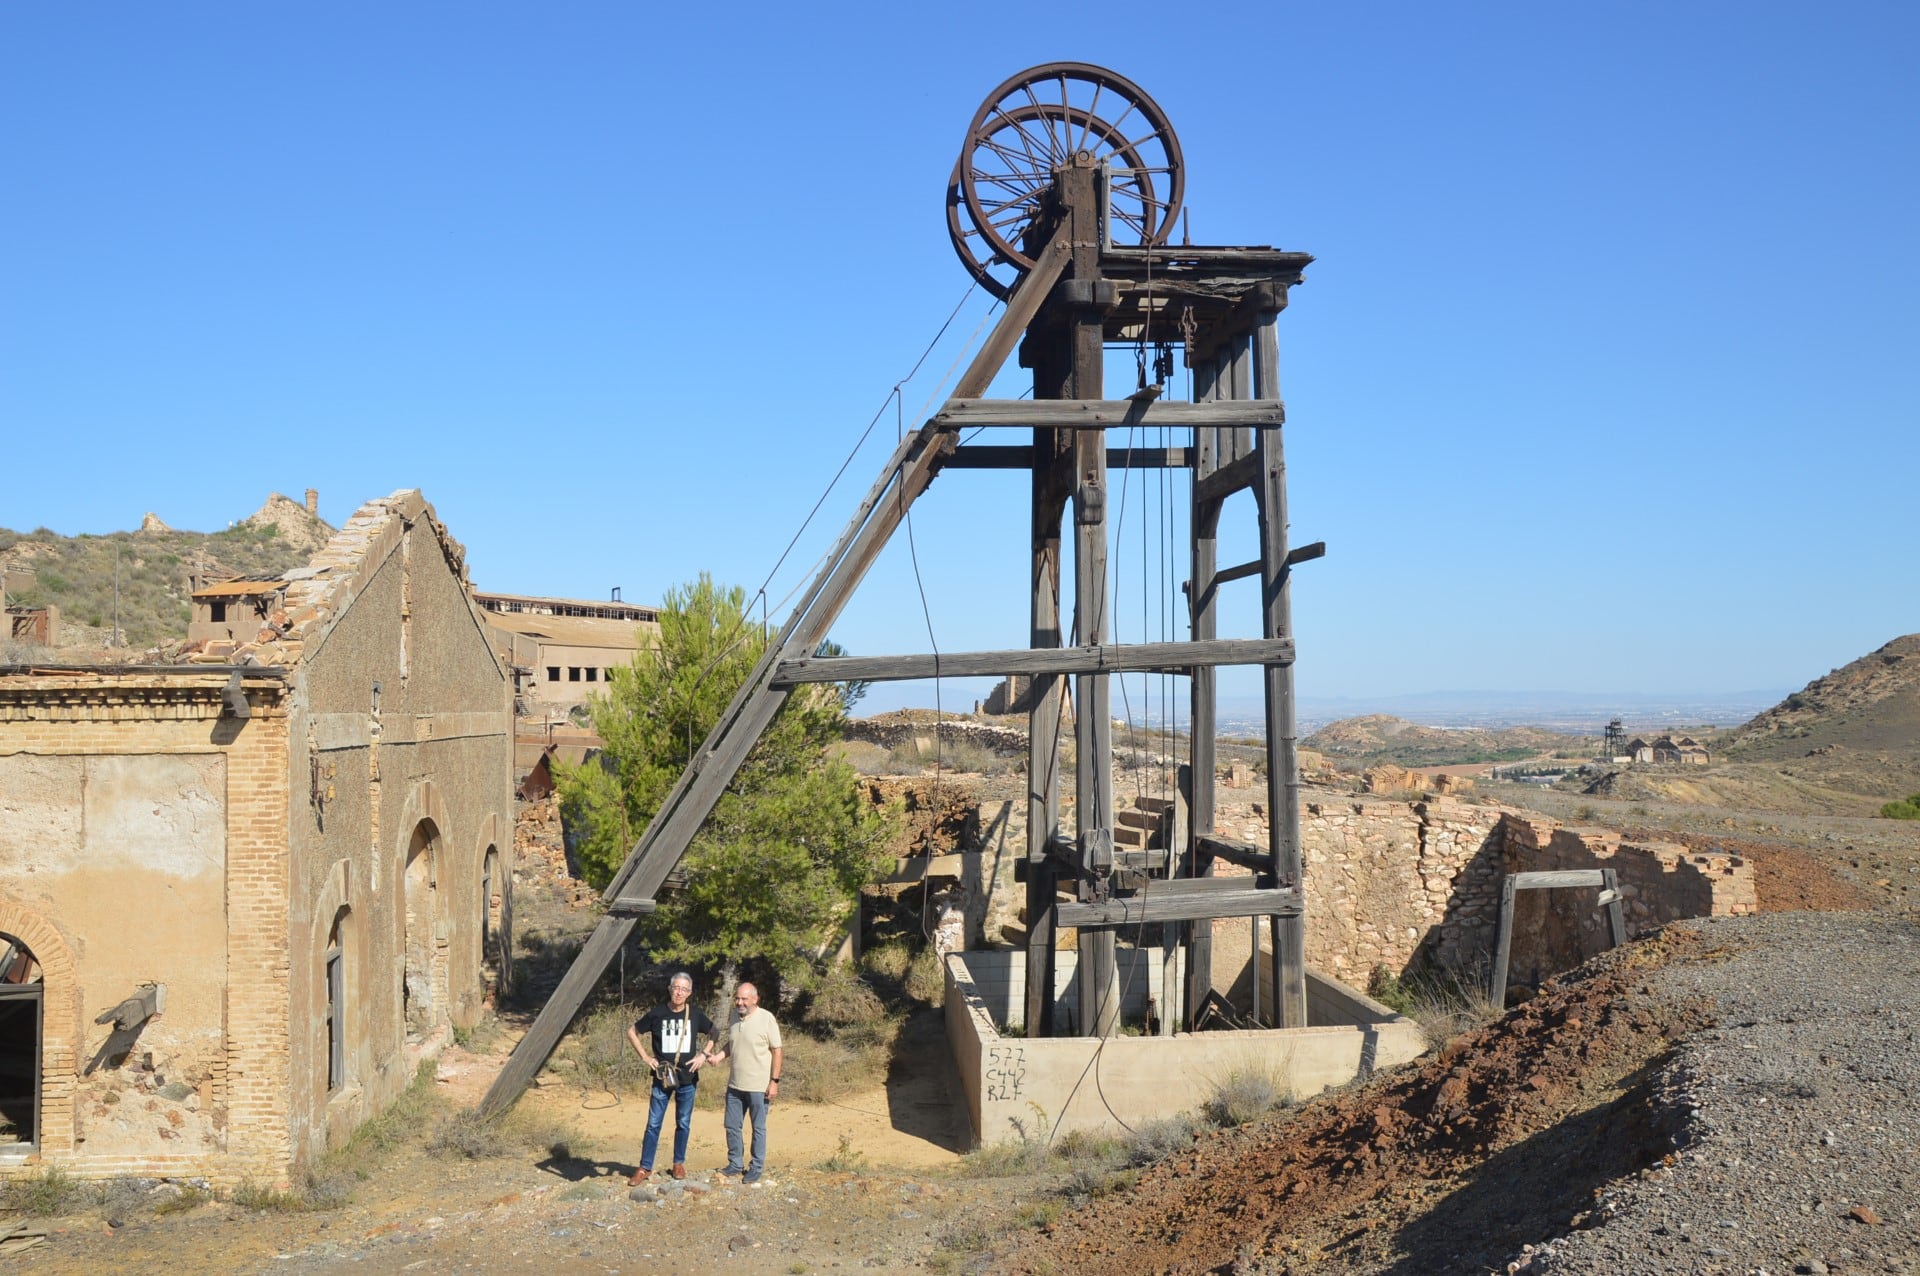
x=1443, y=1004
x=1247, y=1094
x=48, y=1193
x=315, y=1191
x=597, y=1054
x=468, y=1134
x=926, y=978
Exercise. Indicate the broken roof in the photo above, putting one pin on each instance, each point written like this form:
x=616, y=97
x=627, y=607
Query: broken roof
x=316, y=596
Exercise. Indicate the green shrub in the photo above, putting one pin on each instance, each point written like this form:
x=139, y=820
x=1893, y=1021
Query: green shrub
x=1907, y=809
x=1390, y=991
x=845, y=1159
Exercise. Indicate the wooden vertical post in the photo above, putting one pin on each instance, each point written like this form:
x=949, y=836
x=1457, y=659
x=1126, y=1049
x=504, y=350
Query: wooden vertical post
x=1616, y=915
x=1051, y=475
x=1502, y=946
x=1093, y=723
x=1172, y=934
x=1204, y=531
x=1283, y=772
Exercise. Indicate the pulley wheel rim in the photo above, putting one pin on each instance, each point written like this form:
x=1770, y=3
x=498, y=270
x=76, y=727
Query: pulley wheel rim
x=1039, y=119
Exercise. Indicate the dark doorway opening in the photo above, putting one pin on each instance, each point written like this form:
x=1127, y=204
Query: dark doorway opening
x=20, y=1028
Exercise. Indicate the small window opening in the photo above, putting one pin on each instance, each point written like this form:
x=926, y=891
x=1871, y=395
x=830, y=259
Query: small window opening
x=593, y=674
x=573, y=673
x=219, y=611
x=553, y=673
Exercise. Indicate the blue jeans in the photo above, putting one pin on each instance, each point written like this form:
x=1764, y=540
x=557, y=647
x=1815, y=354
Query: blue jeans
x=682, y=1097
x=741, y=1103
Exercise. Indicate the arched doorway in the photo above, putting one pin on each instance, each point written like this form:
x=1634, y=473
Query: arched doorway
x=21, y=998
x=422, y=979
x=492, y=897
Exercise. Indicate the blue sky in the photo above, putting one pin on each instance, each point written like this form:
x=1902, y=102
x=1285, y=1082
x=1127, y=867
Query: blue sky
x=1604, y=380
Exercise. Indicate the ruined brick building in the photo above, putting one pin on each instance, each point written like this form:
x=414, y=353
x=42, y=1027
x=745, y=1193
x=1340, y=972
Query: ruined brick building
x=243, y=894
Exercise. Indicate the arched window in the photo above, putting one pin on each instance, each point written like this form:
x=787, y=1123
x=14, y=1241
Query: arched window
x=20, y=1035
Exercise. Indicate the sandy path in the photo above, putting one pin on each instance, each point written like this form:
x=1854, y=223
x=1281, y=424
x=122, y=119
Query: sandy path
x=910, y=1123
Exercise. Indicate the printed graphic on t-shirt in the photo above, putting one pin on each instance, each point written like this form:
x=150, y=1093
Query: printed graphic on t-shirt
x=676, y=1036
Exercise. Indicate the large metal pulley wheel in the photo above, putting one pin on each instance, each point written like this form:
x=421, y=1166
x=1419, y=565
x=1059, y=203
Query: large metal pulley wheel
x=1038, y=122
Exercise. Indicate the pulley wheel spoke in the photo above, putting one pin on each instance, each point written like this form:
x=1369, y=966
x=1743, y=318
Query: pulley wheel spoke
x=1033, y=124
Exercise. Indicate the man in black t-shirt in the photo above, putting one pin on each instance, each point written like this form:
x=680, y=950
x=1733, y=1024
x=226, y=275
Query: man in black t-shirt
x=669, y=1038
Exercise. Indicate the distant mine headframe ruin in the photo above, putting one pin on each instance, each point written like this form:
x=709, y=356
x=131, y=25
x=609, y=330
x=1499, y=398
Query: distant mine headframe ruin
x=1066, y=192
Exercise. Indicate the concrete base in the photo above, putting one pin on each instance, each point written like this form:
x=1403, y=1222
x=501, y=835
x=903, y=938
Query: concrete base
x=1015, y=1086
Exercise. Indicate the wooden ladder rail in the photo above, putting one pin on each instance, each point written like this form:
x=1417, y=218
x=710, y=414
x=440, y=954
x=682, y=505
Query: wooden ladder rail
x=907, y=474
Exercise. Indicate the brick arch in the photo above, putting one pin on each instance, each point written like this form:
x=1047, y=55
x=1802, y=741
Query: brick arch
x=491, y=833
x=424, y=803
x=496, y=837
x=62, y=1036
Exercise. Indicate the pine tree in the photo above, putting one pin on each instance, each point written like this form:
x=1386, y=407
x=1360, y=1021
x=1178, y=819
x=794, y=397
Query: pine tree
x=776, y=869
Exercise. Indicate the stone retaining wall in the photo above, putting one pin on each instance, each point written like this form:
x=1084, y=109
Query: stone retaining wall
x=1401, y=884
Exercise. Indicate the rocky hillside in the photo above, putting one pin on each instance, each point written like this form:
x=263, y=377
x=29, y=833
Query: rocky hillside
x=77, y=574
x=1857, y=728
x=1379, y=737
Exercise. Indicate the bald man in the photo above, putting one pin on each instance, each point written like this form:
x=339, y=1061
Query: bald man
x=753, y=1047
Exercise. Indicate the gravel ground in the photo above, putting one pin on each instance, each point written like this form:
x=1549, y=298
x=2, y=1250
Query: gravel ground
x=1732, y=1096
x=1804, y=1112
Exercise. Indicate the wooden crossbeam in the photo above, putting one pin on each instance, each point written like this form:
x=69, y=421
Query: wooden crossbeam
x=1139, y=657
x=1159, y=903
x=993, y=456
x=1104, y=414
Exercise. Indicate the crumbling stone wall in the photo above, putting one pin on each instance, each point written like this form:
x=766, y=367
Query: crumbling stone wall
x=891, y=733
x=1386, y=881
x=1401, y=884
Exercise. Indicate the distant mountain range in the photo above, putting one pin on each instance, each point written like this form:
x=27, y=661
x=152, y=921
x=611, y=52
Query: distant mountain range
x=1563, y=712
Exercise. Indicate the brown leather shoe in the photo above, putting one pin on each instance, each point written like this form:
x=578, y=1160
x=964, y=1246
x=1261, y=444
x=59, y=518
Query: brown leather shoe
x=639, y=1177
x=679, y=1170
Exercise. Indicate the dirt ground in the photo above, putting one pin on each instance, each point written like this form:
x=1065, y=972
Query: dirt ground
x=892, y=1194
x=1425, y=1167
x=1507, y=1136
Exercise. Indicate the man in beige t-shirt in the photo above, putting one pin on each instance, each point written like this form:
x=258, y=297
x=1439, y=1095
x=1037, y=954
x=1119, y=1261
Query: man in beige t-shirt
x=753, y=1046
